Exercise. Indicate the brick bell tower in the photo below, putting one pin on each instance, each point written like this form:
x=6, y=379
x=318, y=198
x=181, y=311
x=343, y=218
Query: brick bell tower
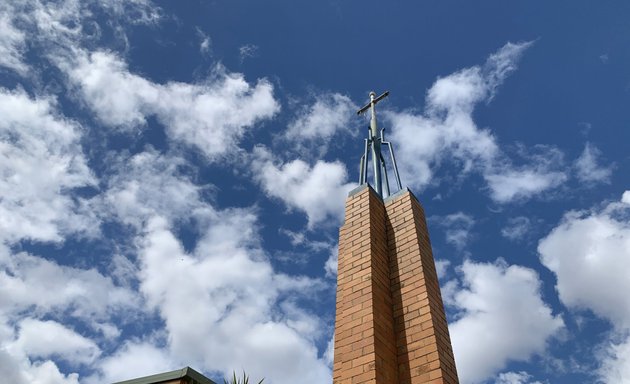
x=390, y=323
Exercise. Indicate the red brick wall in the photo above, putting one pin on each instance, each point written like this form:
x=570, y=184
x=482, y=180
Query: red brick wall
x=425, y=354
x=365, y=349
x=390, y=325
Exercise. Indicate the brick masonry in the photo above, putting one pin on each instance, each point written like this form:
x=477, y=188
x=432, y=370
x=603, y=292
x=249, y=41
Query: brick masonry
x=390, y=324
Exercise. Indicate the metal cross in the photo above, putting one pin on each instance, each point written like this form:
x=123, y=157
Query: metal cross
x=374, y=141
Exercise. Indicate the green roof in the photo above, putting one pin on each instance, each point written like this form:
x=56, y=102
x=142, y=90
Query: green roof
x=187, y=372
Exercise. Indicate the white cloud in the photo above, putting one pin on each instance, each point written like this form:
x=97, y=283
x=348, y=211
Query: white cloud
x=205, y=45
x=502, y=63
x=41, y=286
x=590, y=254
x=122, y=270
x=626, y=197
x=44, y=372
x=224, y=292
x=587, y=168
x=458, y=93
x=447, y=132
x=515, y=378
x=133, y=360
x=542, y=170
x=60, y=27
x=615, y=368
x=41, y=161
x=521, y=184
x=448, y=129
x=319, y=191
x=516, y=228
x=441, y=267
x=214, y=116
x=149, y=184
x=331, y=113
x=27, y=359
x=332, y=262
x=132, y=11
x=329, y=355
x=422, y=142
x=10, y=370
x=49, y=339
x=210, y=116
x=502, y=312
x=223, y=305
x=118, y=97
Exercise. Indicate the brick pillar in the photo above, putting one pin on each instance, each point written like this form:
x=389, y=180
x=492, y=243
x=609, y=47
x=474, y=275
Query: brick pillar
x=365, y=345
x=425, y=354
x=390, y=324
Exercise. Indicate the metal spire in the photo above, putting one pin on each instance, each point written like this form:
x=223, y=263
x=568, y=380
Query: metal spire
x=374, y=142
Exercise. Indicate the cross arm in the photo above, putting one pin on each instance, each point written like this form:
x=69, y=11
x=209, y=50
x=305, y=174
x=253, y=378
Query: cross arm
x=374, y=101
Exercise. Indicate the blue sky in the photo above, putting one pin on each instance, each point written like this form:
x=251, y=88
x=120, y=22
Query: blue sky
x=173, y=176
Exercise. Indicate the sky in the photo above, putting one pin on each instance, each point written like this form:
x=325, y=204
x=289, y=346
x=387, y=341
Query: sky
x=173, y=176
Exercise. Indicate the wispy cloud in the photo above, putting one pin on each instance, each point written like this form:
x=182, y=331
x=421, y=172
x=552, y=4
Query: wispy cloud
x=522, y=184
x=515, y=378
x=317, y=124
x=589, y=170
x=246, y=51
x=516, y=228
x=331, y=265
x=457, y=227
x=12, y=44
x=205, y=47
x=447, y=132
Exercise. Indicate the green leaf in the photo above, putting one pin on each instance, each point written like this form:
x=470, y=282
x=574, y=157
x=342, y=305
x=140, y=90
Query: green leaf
x=236, y=380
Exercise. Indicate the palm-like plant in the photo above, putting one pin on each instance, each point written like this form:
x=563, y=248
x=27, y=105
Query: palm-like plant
x=238, y=380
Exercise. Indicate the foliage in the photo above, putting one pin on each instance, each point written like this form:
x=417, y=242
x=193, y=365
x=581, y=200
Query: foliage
x=238, y=380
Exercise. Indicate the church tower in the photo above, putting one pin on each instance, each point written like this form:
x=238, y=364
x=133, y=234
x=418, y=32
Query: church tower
x=390, y=324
